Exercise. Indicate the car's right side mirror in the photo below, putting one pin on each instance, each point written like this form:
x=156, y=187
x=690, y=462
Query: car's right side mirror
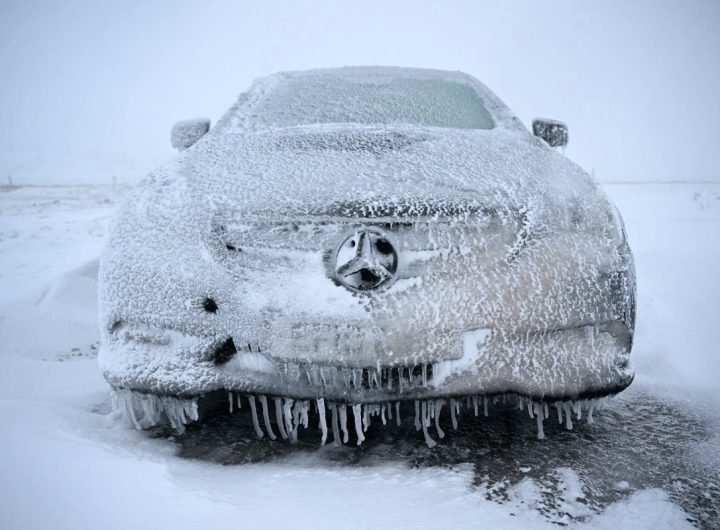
x=554, y=132
x=186, y=133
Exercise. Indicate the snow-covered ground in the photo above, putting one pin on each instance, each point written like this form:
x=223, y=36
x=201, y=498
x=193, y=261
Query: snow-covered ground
x=66, y=462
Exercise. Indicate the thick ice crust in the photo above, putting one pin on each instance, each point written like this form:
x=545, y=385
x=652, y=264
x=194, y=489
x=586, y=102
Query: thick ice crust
x=512, y=269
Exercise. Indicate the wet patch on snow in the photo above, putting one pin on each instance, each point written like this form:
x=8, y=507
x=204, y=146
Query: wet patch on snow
x=638, y=442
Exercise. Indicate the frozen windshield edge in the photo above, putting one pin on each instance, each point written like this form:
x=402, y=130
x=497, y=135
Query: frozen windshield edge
x=325, y=100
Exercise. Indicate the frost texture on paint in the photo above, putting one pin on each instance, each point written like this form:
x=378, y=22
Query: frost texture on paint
x=511, y=272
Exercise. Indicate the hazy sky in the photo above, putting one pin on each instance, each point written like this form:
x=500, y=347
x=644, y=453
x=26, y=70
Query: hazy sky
x=90, y=89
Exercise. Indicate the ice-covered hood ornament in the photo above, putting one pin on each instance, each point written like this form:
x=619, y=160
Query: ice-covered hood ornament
x=359, y=238
x=365, y=261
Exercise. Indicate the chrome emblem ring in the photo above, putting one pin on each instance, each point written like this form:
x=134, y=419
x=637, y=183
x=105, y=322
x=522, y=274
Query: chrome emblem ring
x=365, y=261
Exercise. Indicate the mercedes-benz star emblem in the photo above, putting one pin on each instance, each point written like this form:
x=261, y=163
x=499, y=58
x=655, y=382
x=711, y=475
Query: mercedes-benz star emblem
x=365, y=261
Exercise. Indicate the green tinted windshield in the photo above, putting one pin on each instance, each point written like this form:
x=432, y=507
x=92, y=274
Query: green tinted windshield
x=306, y=100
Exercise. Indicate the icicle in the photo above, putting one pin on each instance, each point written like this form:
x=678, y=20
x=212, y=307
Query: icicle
x=485, y=406
x=417, y=415
x=530, y=407
x=304, y=414
x=389, y=377
x=322, y=377
x=186, y=410
x=389, y=410
x=357, y=413
x=343, y=423
x=578, y=410
x=357, y=377
x=475, y=405
x=172, y=414
x=146, y=405
x=438, y=408
x=452, y=415
x=424, y=375
x=266, y=417
x=157, y=412
x=346, y=376
x=590, y=412
x=546, y=410
x=129, y=410
x=256, y=424
x=238, y=402
x=539, y=420
x=180, y=411
x=279, y=419
x=382, y=415
x=231, y=400
x=180, y=415
x=120, y=404
x=520, y=402
x=400, y=378
x=297, y=410
x=365, y=417
x=398, y=420
x=336, y=430
x=568, y=416
x=323, y=422
x=115, y=401
x=425, y=420
x=289, y=426
x=193, y=410
x=151, y=409
x=558, y=406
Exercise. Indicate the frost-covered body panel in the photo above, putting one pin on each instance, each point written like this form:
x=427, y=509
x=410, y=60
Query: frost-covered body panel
x=486, y=263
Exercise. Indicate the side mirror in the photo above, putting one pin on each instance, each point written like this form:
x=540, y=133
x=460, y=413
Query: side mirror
x=186, y=133
x=554, y=132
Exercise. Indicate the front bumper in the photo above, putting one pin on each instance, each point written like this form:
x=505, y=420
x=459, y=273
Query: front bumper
x=580, y=362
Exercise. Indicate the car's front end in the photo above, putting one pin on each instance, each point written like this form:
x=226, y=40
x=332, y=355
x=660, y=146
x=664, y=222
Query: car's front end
x=294, y=267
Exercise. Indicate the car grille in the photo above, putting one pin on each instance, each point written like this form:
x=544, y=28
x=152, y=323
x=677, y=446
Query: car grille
x=388, y=378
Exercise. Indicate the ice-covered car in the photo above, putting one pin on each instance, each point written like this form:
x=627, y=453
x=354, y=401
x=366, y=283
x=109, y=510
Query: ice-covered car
x=362, y=241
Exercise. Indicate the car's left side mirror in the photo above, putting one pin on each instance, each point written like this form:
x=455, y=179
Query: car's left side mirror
x=554, y=132
x=186, y=133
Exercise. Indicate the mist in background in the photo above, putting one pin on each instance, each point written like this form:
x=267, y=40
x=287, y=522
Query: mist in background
x=89, y=90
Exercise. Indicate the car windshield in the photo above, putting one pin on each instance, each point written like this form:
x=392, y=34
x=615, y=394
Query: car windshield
x=306, y=100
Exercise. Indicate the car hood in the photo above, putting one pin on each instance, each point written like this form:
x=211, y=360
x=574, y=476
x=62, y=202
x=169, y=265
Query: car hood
x=381, y=171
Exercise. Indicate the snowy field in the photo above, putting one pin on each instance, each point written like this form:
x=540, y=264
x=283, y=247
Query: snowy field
x=651, y=459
